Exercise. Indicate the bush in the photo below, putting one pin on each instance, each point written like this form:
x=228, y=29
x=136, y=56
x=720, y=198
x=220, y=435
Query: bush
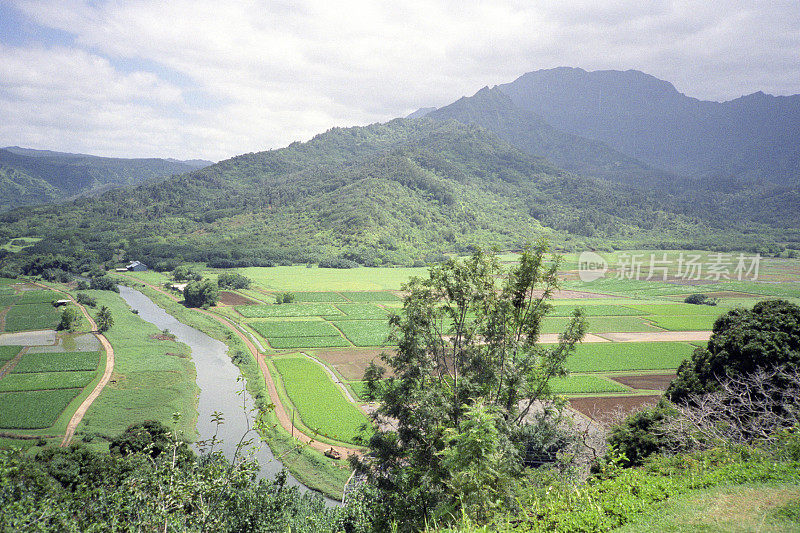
x=233, y=280
x=201, y=293
x=700, y=299
x=284, y=298
x=85, y=299
x=103, y=283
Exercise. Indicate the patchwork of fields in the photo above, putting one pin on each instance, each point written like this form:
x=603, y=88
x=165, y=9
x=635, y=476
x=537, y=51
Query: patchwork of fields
x=38, y=383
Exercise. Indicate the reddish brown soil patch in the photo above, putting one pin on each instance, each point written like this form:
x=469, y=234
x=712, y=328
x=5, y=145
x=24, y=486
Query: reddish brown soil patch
x=645, y=381
x=604, y=408
x=231, y=298
x=352, y=362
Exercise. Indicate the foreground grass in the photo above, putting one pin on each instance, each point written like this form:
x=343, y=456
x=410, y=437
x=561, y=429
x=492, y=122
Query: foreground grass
x=716, y=490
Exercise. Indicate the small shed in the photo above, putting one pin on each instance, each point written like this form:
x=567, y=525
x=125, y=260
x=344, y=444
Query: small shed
x=59, y=303
x=136, y=266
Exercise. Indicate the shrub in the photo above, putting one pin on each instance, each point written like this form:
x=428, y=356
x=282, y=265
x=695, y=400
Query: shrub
x=700, y=299
x=233, y=280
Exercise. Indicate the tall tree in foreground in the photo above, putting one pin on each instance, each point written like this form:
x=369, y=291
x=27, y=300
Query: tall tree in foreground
x=467, y=377
x=104, y=319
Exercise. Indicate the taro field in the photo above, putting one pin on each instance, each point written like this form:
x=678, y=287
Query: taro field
x=640, y=330
x=43, y=373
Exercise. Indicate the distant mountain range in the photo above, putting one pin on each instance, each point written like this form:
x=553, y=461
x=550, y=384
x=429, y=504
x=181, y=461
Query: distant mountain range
x=29, y=177
x=500, y=168
x=755, y=137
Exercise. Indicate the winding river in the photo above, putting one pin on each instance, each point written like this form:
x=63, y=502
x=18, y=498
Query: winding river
x=218, y=380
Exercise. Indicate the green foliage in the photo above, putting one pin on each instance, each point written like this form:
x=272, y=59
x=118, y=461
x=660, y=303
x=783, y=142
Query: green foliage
x=743, y=341
x=58, y=362
x=233, y=280
x=85, y=299
x=638, y=436
x=104, y=319
x=201, y=293
x=70, y=317
x=186, y=273
x=305, y=296
x=33, y=409
x=25, y=317
x=319, y=402
x=700, y=299
x=103, y=283
x=75, y=489
x=466, y=339
x=284, y=298
x=150, y=437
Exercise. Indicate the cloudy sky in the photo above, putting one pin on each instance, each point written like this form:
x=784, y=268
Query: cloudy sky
x=211, y=79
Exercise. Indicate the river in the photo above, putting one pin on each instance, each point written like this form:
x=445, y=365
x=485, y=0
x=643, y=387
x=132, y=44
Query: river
x=220, y=389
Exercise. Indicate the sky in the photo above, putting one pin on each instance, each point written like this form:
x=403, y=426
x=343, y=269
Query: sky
x=210, y=79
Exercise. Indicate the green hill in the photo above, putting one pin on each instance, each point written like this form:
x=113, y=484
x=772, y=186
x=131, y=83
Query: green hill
x=29, y=177
x=393, y=193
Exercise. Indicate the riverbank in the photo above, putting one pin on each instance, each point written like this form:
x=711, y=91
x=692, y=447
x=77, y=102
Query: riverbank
x=309, y=466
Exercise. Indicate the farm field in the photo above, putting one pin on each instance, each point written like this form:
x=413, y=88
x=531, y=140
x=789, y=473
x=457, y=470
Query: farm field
x=320, y=404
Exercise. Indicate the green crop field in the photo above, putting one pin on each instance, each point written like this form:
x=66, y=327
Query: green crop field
x=295, y=328
x=39, y=296
x=33, y=409
x=287, y=310
x=320, y=403
x=601, y=324
x=46, y=380
x=24, y=317
x=686, y=323
x=8, y=352
x=282, y=343
x=585, y=384
x=318, y=297
x=593, y=310
x=613, y=356
x=7, y=299
x=362, y=311
x=676, y=309
x=365, y=332
x=380, y=296
x=57, y=362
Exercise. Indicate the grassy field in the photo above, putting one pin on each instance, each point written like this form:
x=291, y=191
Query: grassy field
x=319, y=402
x=8, y=352
x=300, y=278
x=33, y=409
x=152, y=378
x=318, y=297
x=602, y=324
x=616, y=356
x=379, y=296
x=57, y=362
x=686, y=323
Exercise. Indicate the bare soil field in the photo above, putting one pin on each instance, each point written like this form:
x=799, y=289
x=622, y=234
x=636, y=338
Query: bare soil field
x=657, y=336
x=645, y=381
x=604, y=408
x=45, y=337
x=231, y=299
x=350, y=363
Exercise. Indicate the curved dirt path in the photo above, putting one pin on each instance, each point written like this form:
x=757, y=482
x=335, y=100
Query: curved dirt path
x=280, y=410
x=84, y=406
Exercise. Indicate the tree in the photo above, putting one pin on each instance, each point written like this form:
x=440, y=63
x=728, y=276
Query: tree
x=743, y=341
x=104, y=319
x=201, y=293
x=69, y=319
x=233, y=280
x=467, y=359
x=185, y=272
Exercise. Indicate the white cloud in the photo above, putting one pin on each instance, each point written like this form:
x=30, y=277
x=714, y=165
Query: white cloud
x=273, y=72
